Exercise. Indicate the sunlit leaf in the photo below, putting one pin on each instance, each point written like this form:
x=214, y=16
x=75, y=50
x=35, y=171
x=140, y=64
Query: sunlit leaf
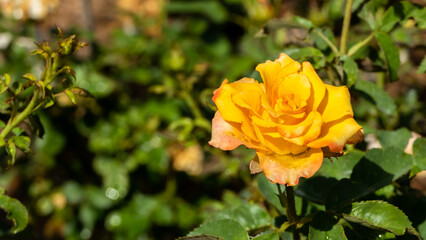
x=419, y=153
x=250, y=216
x=398, y=138
x=379, y=214
x=226, y=229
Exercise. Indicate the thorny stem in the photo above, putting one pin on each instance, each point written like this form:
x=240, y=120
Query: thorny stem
x=287, y=201
x=345, y=29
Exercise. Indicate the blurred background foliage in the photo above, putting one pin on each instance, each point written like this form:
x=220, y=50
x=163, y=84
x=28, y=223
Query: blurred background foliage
x=133, y=162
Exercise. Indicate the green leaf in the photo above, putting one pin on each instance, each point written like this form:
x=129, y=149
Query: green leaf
x=11, y=150
x=23, y=143
x=342, y=166
x=30, y=77
x=339, y=195
x=367, y=13
x=396, y=13
x=398, y=138
x=249, y=216
x=393, y=163
x=422, y=67
x=391, y=53
x=267, y=236
x=419, y=153
x=269, y=191
x=378, y=96
x=16, y=212
x=303, y=22
x=378, y=168
x=315, y=189
x=325, y=226
x=379, y=214
x=350, y=69
x=5, y=80
x=226, y=229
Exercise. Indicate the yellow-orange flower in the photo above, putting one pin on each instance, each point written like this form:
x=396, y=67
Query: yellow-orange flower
x=292, y=119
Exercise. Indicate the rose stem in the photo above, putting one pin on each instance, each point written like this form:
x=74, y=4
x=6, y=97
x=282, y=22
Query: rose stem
x=287, y=201
x=346, y=23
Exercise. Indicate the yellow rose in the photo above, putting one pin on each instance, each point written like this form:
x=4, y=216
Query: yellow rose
x=292, y=119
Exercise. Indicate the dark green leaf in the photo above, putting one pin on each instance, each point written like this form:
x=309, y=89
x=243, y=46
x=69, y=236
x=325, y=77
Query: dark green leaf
x=325, y=226
x=391, y=53
x=392, y=161
x=341, y=167
x=315, y=189
x=269, y=191
x=419, y=153
x=226, y=229
x=398, y=138
x=340, y=195
x=379, y=214
x=379, y=97
x=16, y=212
x=249, y=216
x=350, y=69
x=378, y=168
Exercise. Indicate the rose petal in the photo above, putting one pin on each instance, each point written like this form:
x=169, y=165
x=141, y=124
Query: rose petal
x=223, y=134
x=336, y=134
x=336, y=103
x=296, y=85
x=281, y=146
x=317, y=89
x=273, y=73
x=287, y=169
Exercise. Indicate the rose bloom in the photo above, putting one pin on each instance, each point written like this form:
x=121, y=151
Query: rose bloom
x=293, y=120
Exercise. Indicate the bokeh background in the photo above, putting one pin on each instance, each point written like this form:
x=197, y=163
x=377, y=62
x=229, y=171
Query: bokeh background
x=133, y=161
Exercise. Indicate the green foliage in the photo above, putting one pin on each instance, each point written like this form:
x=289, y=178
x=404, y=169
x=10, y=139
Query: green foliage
x=133, y=162
x=16, y=212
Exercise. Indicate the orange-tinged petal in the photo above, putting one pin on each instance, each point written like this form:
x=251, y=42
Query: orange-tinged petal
x=287, y=169
x=224, y=135
x=336, y=134
x=336, y=103
x=317, y=89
